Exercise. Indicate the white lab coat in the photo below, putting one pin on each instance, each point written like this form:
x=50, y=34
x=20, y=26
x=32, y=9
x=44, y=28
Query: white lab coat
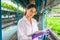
x=25, y=28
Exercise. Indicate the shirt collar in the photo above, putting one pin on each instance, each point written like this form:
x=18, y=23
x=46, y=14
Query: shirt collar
x=24, y=17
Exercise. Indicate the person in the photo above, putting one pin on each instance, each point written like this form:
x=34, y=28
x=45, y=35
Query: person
x=27, y=25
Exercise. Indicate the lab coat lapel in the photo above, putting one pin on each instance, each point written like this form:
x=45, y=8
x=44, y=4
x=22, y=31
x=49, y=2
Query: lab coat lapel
x=29, y=26
x=27, y=21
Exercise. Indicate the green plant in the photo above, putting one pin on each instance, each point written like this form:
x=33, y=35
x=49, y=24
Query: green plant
x=54, y=22
x=5, y=5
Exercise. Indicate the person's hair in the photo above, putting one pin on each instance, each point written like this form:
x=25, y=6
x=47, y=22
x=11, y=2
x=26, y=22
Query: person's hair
x=30, y=6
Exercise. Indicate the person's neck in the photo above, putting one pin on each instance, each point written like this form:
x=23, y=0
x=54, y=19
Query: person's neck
x=28, y=18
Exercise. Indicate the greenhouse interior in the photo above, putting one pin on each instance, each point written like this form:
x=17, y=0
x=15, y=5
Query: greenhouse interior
x=47, y=15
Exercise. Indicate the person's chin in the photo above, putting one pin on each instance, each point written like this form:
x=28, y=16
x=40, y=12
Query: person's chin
x=31, y=16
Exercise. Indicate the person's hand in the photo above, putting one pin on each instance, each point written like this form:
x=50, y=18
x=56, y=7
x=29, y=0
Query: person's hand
x=47, y=29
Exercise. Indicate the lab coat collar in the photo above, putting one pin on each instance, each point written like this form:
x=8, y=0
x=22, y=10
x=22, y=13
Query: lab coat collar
x=24, y=17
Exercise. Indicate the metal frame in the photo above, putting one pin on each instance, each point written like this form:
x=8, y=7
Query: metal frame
x=41, y=15
x=0, y=22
